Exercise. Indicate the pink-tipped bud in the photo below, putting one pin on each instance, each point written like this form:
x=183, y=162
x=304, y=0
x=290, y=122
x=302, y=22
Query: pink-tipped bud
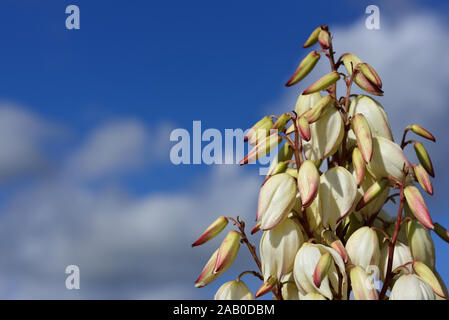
x=359, y=165
x=312, y=115
x=335, y=243
x=322, y=268
x=372, y=193
x=262, y=148
x=429, y=277
x=207, y=275
x=212, y=231
x=313, y=38
x=323, y=83
x=362, y=132
x=367, y=85
x=304, y=128
x=370, y=74
x=304, y=68
x=423, y=178
x=424, y=158
x=266, y=287
x=256, y=228
x=262, y=123
x=324, y=39
x=227, y=252
x=416, y=128
x=350, y=62
x=281, y=122
x=418, y=207
x=442, y=232
x=308, y=182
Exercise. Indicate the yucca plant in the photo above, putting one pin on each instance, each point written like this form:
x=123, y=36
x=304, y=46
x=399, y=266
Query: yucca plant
x=321, y=207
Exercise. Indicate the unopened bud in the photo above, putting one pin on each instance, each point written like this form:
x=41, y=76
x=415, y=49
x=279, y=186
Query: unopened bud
x=264, y=147
x=212, y=231
x=322, y=268
x=418, y=207
x=429, y=277
x=362, y=285
x=372, y=193
x=336, y=244
x=207, y=275
x=324, y=39
x=363, y=135
x=227, y=252
x=424, y=158
x=281, y=122
x=314, y=114
x=350, y=61
x=276, y=199
x=401, y=256
x=367, y=85
x=370, y=74
x=442, y=232
x=313, y=38
x=359, y=165
x=266, y=287
x=308, y=182
x=323, y=83
x=264, y=125
x=234, y=290
x=281, y=160
x=423, y=178
x=304, y=128
x=304, y=68
x=416, y=128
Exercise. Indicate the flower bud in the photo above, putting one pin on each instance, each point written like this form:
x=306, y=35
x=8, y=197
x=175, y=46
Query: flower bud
x=423, y=178
x=367, y=85
x=305, y=264
x=306, y=102
x=251, y=132
x=227, y=252
x=314, y=114
x=313, y=38
x=313, y=296
x=308, y=182
x=207, y=275
x=416, y=128
x=259, y=131
x=421, y=243
x=363, y=247
x=234, y=290
x=276, y=199
x=388, y=159
x=304, y=68
x=285, y=153
x=266, y=287
x=418, y=207
x=441, y=232
x=336, y=244
x=212, y=231
x=359, y=165
x=322, y=268
x=362, y=285
x=281, y=122
x=278, y=248
x=401, y=256
x=424, y=158
x=370, y=74
x=411, y=287
x=350, y=61
x=324, y=39
x=429, y=277
x=363, y=135
x=372, y=193
x=374, y=114
x=263, y=147
x=323, y=83
x=304, y=128
x=337, y=193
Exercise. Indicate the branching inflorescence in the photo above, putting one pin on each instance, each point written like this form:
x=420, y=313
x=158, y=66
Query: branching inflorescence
x=320, y=208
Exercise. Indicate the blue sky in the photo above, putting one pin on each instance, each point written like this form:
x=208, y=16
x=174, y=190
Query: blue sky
x=92, y=110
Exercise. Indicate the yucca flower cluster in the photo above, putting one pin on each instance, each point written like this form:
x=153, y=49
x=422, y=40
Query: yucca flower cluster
x=326, y=234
